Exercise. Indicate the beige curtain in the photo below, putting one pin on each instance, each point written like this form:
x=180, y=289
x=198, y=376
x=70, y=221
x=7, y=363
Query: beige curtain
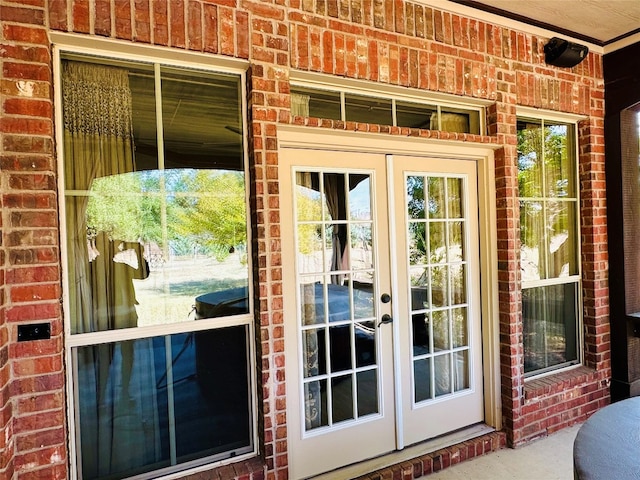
x=98, y=142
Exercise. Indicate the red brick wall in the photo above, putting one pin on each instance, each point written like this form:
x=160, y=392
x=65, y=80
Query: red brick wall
x=387, y=41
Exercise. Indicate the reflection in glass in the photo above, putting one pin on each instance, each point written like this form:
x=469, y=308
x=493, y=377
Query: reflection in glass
x=437, y=242
x=419, y=298
x=530, y=158
x=437, y=197
x=308, y=198
x=149, y=240
x=314, y=353
x=365, y=344
x=313, y=102
x=367, y=392
x=458, y=284
x=439, y=286
x=461, y=375
x=456, y=251
x=365, y=109
x=417, y=243
x=337, y=245
x=561, y=237
x=310, y=251
x=415, y=197
x=422, y=379
x=340, y=348
x=363, y=306
x=442, y=374
x=156, y=234
x=315, y=404
x=531, y=238
x=420, y=333
x=414, y=115
x=454, y=199
x=342, y=398
x=558, y=162
x=312, y=305
x=361, y=246
x=151, y=403
x=440, y=329
x=460, y=327
x=359, y=197
x=550, y=331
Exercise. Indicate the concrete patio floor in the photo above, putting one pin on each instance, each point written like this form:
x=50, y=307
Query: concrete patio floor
x=550, y=458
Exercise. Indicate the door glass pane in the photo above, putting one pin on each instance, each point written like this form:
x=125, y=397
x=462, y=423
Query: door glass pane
x=361, y=248
x=458, y=284
x=337, y=293
x=365, y=346
x=443, y=376
x=415, y=197
x=422, y=379
x=439, y=286
x=461, y=370
x=342, y=398
x=460, y=325
x=316, y=411
x=340, y=348
x=309, y=207
x=440, y=330
x=417, y=243
x=420, y=333
x=367, y=393
x=314, y=352
x=151, y=403
x=454, y=200
x=311, y=250
x=437, y=200
x=456, y=242
x=439, y=292
x=437, y=242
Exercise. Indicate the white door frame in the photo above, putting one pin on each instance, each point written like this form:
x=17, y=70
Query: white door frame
x=483, y=154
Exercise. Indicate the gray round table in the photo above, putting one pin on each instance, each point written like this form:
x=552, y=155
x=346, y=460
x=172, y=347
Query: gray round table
x=607, y=445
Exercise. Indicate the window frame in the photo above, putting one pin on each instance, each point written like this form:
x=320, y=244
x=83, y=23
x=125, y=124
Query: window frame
x=571, y=120
x=442, y=102
x=111, y=52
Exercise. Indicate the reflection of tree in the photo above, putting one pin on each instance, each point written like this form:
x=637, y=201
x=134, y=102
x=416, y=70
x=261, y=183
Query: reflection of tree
x=115, y=207
x=214, y=215
x=544, y=171
x=308, y=207
x=191, y=210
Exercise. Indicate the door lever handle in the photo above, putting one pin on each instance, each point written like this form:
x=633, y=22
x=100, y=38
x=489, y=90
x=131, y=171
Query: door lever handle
x=386, y=318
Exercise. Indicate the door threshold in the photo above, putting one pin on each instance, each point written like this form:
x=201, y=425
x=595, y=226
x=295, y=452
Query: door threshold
x=407, y=453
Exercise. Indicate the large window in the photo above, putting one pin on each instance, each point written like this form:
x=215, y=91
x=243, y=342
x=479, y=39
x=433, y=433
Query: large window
x=157, y=267
x=549, y=244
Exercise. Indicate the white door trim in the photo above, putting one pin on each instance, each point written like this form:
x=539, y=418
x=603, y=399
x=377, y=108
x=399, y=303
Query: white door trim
x=483, y=154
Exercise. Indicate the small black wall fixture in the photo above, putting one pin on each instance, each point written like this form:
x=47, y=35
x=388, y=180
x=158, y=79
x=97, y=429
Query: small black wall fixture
x=562, y=53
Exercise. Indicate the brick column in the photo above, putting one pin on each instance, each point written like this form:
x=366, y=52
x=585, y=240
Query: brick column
x=32, y=378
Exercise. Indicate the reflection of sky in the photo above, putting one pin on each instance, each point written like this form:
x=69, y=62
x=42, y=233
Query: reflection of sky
x=360, y=200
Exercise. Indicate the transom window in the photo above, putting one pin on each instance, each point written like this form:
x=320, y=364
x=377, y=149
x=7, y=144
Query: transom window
x=157, y=267
x=363, y=104
x=549, y=239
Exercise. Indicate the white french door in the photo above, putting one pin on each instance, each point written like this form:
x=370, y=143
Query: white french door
x=382, y=304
